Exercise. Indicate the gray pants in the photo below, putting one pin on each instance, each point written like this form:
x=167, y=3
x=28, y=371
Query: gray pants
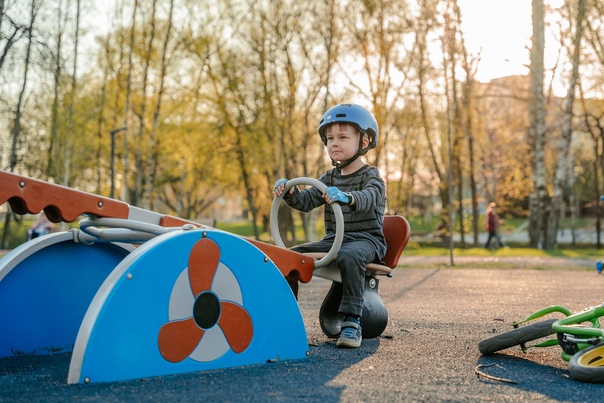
x=351, y=260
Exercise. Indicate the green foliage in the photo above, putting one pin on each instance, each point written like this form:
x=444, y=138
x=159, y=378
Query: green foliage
x=422, y=225
x=245, y=228
x=18, y=231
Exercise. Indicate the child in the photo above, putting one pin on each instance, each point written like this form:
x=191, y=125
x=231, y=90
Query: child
x=348, y=131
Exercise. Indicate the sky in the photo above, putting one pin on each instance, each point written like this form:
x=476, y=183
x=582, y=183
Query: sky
x=502, y=29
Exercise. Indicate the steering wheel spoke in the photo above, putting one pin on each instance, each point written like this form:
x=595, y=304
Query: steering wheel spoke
x=274, y=218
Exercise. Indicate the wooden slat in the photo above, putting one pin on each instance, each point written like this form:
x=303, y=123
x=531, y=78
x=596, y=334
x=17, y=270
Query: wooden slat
x=26, y=195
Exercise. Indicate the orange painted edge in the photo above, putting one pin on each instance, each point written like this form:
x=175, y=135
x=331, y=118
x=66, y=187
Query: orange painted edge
x=60, y=203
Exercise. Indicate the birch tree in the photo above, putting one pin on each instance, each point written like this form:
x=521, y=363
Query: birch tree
x=564, y=145
x=536, y=131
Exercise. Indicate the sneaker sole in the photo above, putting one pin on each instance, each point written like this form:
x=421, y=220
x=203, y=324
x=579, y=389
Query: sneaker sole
x=348, y=343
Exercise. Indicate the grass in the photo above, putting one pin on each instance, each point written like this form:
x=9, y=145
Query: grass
x=433, y=251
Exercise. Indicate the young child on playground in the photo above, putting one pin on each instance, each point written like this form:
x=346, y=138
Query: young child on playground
x=348, y=131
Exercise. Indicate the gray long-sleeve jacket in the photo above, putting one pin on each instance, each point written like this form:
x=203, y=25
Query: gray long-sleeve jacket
x=364, y=220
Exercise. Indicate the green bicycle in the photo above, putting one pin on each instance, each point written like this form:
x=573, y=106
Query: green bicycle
x=578, y=334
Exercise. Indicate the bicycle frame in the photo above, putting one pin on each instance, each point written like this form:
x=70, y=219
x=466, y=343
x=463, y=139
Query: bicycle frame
x=579, y=336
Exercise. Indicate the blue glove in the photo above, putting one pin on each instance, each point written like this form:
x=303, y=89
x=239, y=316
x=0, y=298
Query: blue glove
x=279, y=182
x=338, y=196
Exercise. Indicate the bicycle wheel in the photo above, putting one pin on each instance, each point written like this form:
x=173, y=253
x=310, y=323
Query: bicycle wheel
x=588, y=365
x=516, y=337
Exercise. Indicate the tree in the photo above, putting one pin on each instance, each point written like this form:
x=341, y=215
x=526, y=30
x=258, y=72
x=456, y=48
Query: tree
x=564, y=149
x=536, y=131
x=70, y=124
x=16, y=129
x=140, y=144
x=151, y=172
x=53, y=155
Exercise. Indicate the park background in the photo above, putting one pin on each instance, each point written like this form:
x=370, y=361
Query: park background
x=195, y=108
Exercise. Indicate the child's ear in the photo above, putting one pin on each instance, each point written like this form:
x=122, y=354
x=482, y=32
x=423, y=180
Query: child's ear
x=365, y=140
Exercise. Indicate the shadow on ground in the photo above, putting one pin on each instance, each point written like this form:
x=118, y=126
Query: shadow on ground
x=529, y=376
x=44, y=378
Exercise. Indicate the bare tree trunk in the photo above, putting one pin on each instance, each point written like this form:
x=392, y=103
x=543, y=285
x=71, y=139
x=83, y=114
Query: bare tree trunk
x=16, y=131
x=74, y=81
x=153, y=155
x=125, y=190
x=467, y=95
x=597, y=199
x=457, y=137
x=596, y=139
x=101, y=119
x=140, y=144
x=448, y=218
x=537, y=127
x=245, y=177
x=571, y=200
x=564, y=148
x=116, y=103
x=473, y=184
x=51, y=170
x=10, y=40
x=462, y=230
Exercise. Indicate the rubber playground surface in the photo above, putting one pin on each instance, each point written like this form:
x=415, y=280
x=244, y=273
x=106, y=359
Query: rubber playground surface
x=428, y=352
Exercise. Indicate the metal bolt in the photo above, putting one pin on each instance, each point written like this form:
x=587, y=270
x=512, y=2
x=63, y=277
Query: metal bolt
x=100, y=204
x=87, y=380
x=129, y=276
x=265, y=259
x=22, y=184
x=204, y=234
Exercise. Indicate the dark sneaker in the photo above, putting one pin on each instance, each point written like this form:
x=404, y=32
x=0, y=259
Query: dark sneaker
x=351, y=335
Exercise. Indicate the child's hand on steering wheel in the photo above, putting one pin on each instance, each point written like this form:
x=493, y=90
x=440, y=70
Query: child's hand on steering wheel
x=279, y=186
x=334, y=195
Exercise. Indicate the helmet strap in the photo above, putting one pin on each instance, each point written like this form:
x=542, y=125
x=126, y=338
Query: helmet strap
x=340, y=165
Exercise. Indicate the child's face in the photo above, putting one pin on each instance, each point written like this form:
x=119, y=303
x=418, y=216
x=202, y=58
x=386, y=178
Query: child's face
x=342, y=141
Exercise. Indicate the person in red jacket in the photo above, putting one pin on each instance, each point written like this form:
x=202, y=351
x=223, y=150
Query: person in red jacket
x=493, y=222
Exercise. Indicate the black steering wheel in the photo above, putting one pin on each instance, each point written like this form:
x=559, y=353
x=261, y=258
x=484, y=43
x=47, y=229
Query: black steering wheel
x=274, y=218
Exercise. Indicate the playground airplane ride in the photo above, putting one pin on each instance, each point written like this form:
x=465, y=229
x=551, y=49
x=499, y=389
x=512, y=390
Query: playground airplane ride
x=132, y=293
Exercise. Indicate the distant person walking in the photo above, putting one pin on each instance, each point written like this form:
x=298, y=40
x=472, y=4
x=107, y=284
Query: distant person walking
x=41, y=227
x=493, y=223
